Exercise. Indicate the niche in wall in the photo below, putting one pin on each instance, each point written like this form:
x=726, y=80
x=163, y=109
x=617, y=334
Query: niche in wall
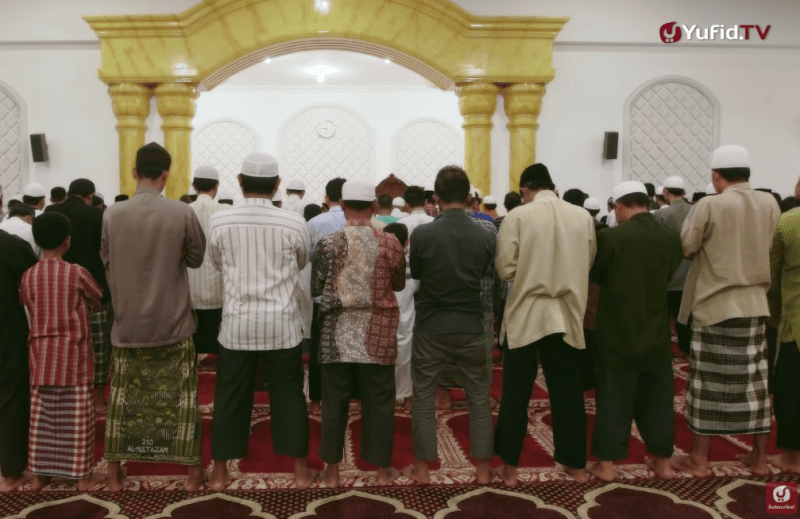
x=13, y=142
x=224, y=143
x=422, y=147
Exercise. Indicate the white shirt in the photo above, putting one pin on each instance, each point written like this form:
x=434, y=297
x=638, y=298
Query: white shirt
x=415, y=219
x=205, y=283
x=19, y=227
x=295, y=204
x=260, y=250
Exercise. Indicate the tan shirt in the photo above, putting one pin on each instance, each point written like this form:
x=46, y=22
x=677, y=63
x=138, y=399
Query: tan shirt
x=147, y=244
x=728, y=237
x=546, y=248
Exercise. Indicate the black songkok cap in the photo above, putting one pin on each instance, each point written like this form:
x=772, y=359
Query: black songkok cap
x=535, y=173
x=153, y=155
x=81, y=187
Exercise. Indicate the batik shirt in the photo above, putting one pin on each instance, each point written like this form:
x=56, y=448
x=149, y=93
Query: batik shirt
x=356, y=272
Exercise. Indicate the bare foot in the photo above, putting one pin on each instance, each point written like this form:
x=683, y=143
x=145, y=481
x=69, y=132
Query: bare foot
x=494, y=403
x=579, y=475
x=757, y=468
x=11, y=483
x=39, y=482
x=603, y=470
x=219, y=476
x=330, y=476
x=418, y=472
x=100, y=404
x=661, y=466
x=386, y=475
x=508, y=474
x=303, y=481
x=315, y=407
x=786, y=461
x=197, y=478
x=483, y=472
x=687, y=464
x=92, y=481
x=408, y=403
x=444, y=400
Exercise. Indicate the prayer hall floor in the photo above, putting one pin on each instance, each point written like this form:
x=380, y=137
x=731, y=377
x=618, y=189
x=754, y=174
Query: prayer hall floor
x=261, y=484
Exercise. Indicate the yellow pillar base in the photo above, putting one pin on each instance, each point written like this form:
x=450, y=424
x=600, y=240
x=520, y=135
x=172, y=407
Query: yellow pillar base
x=477, y=103
x=131, y=104
x=523, y=102
x=177, y=104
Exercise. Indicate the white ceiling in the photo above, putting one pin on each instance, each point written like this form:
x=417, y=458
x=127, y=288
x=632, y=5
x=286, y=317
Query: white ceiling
x=355, y=70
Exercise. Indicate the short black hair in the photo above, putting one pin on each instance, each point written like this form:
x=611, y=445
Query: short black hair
x=661, y=197
x=357, y=205
x=311, y=210
x=226, y=201
x=452, y=184
x=575, y=197
x=635, y=199
x=57, y=193
x=31, y=200
x=512, y=200
x=204, y=184
x=651, y=189
x=149, y=171
x=429, y=197
x=399, y=230
x=97, y=201
x=186, y=198
x=121, y=198
x=14, y=203
x=414, y=196
x=258, y=185
x=734, y=174
x=675, y=192
x=385, y=201
x=295, y=191
x=777, y=198
x=50, y=230
x=333, y=189
x=81, y=187
x=788, y=203
x=696, y=197
x=21, y=210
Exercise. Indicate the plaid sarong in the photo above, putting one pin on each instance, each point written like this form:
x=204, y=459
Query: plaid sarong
x=152, y=412
x=727, y=388
x=62, y=431
x=101, y=343
x=449, y=378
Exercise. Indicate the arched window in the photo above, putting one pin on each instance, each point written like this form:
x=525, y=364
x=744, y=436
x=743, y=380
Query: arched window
x=422, y=147
x=224, y=143
x=13, y=142
x=671, y=128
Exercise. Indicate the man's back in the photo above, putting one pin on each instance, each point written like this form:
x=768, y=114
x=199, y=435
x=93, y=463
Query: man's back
x=147, y=244
x=205, y=283
x=17, y=257
x=785, y=290
x=673, y=217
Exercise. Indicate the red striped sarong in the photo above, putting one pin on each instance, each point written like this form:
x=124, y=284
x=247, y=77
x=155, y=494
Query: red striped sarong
x=62, y=431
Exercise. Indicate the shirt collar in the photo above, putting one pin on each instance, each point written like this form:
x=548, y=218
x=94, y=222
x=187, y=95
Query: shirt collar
x=739, y=187
x=146, y=191
x=545, y=193
x=205, y=197
x=421, y=210
x=355, y=222
x=266, y=202
x=334, y=209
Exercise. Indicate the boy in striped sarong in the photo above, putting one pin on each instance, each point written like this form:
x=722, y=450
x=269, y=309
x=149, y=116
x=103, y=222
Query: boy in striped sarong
x=59, y=297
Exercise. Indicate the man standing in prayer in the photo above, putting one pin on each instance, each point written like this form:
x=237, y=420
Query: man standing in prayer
x=58, y=195
x=490, y=206
x=728, y=238
x=546, y=248
x=673, y=217
x=356, y=271
x=634, y=265
x=593, y=206
x=15, y=396
x=295, y=196
x=450, y=257
x=784, y=297
x=19, y=223
x=148, y=242
x=84, y=250
x=260, y=251
x=33, y=195
x=385, y=210
x=205, y=283
x=398, y=207
x=510, y=201
x=319, y=227
x=415, y=206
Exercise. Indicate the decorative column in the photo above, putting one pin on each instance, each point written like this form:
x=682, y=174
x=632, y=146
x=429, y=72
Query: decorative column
x=131, y=105
x=177, y=103
x=523, y=102
x=477, y=103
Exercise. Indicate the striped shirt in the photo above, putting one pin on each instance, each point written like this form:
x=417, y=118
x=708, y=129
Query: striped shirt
x=59, y=296
x=260, y=250
x=205, y=283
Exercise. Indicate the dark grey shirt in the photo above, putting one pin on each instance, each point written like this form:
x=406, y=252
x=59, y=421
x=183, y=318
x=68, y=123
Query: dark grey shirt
x=673, y=217
x=450, y=256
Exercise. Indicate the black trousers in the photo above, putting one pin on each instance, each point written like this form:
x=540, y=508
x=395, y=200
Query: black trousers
x=622, y=397
x=314, y=380
x=15, y=416
x=674, y=298
x=233, y=403
x=377, y=390
x=786, y=383
x=562, y=365
x=589, y=360
x=772, y=350
x=207, y=334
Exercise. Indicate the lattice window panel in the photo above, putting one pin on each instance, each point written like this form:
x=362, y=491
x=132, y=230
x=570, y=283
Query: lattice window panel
x=348, y=153
x=11, y=149
x=224, y=144
x=422, y=148
x=671, y=133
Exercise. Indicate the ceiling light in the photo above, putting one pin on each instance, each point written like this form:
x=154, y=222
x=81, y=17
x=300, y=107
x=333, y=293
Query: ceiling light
x=322, y=6
x=267, y=60
x=321, y=70
x=387, y=60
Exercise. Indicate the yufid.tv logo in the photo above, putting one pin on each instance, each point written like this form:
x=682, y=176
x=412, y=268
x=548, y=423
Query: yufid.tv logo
x=782, y=498
x=672, y=32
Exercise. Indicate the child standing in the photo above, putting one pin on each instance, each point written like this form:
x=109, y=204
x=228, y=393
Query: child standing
x=59, y=297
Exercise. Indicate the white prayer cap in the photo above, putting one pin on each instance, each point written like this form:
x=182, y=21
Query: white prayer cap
x=730, y=156
x=674, y=182
x=260, y=164
x=490, y=199
x=660, y=191
x=277, y=197
x=16, y=198
x=296, y=185
x=398, y=202
x=358, y=191
x=207, y=172
x=591, y=204
x=711, y=190
x=34, y=190
x=224, y=195
x=627, y=188
x=475, y=192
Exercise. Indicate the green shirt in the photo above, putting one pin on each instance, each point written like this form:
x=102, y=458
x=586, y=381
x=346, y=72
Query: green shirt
x=634, y=265
x=784, y=292
x=387, y=219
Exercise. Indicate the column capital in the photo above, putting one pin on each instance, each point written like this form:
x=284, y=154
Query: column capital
x=131, y=104
x=477, y=103
x=523, y=103
x=177, y=104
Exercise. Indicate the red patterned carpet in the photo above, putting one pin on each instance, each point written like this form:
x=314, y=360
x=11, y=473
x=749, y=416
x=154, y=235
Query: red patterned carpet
x=261, y=486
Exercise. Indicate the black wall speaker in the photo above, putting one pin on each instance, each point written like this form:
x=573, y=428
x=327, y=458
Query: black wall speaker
x=39, y=147
x=610, y=145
